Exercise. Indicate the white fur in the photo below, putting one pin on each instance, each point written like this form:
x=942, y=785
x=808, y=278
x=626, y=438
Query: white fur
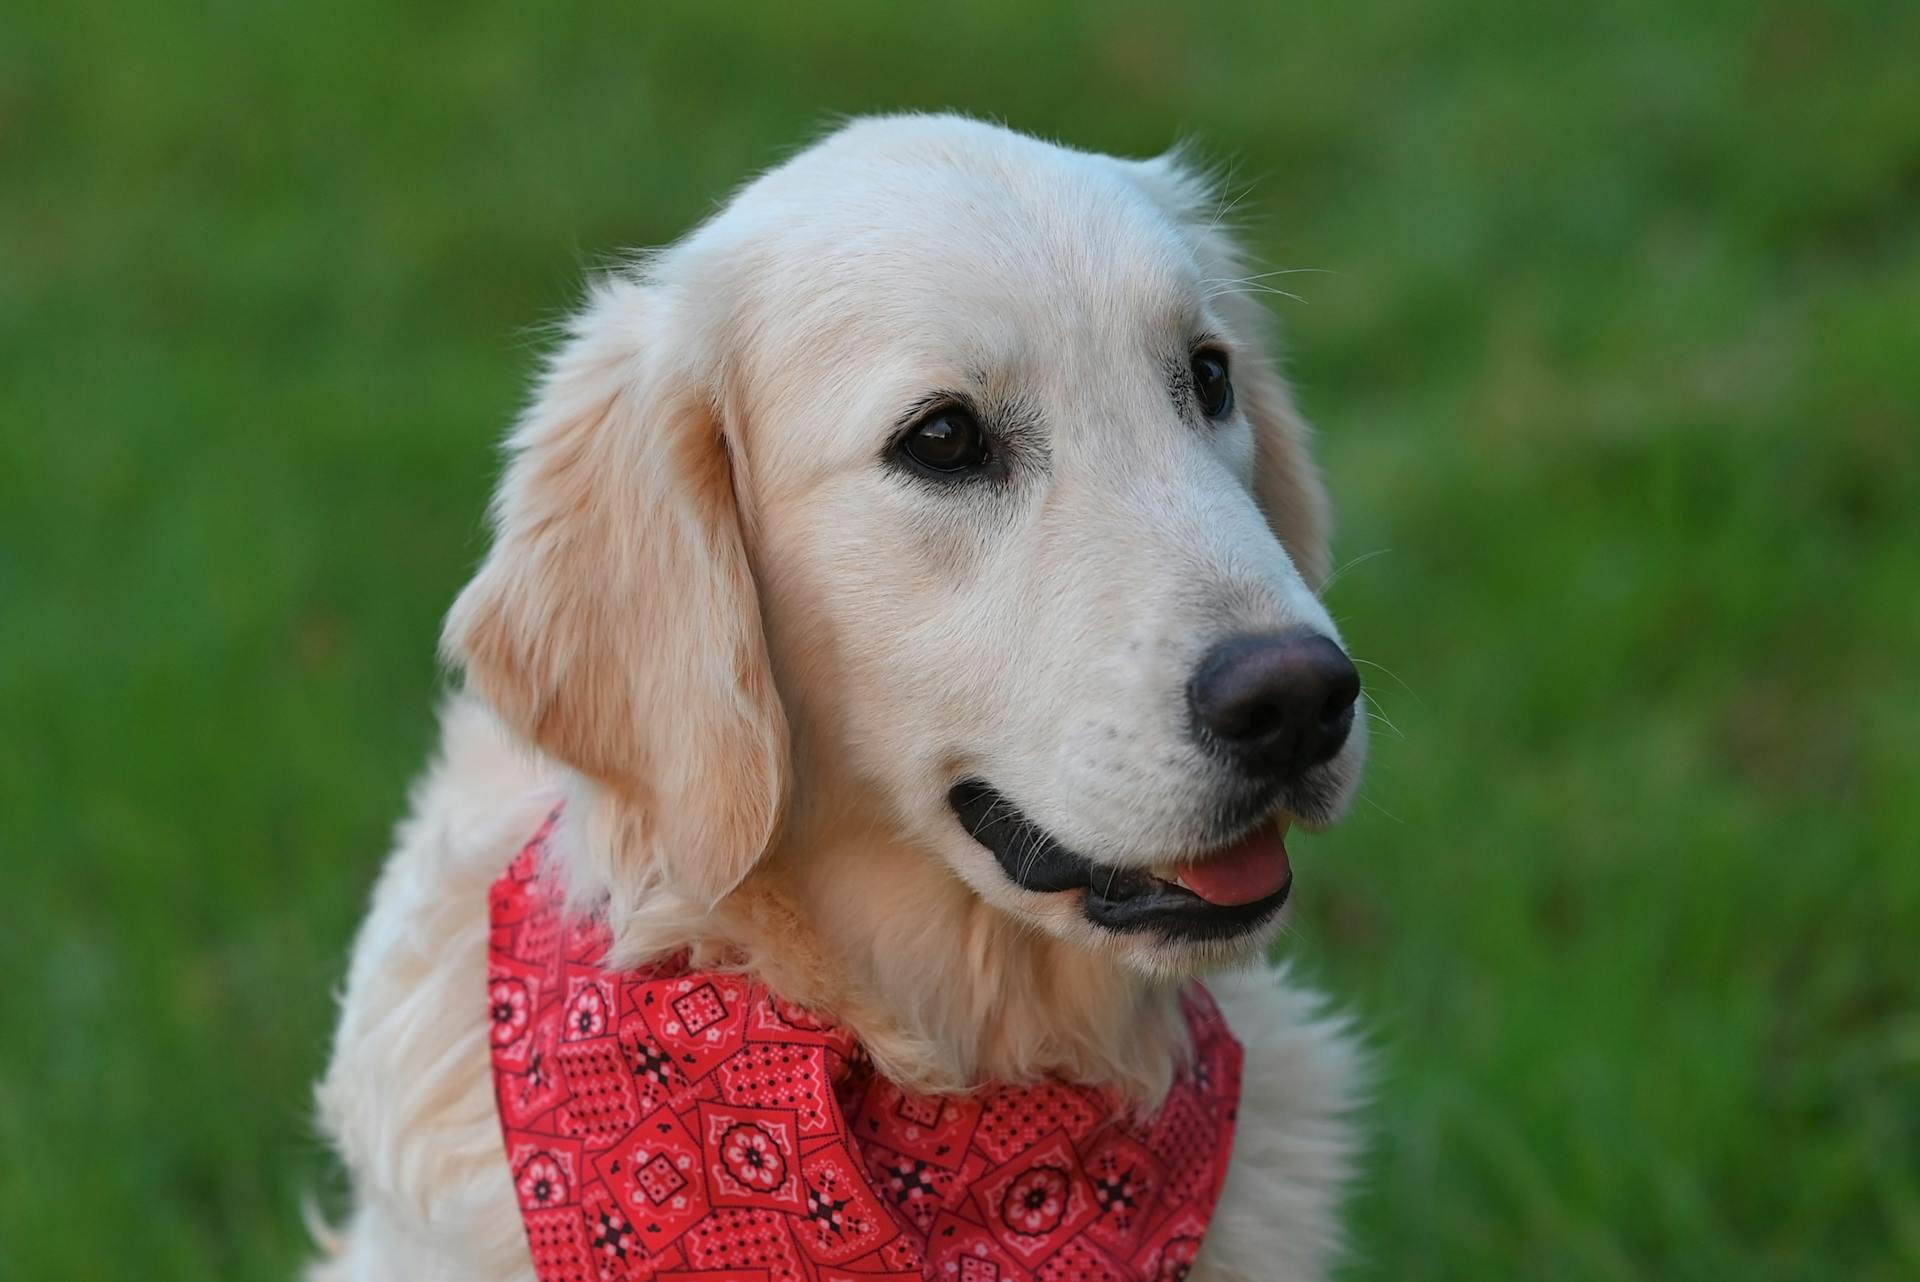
x=753, y=658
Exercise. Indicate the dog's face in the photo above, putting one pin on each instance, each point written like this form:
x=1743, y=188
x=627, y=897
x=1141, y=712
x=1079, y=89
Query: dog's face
x=1025, y=513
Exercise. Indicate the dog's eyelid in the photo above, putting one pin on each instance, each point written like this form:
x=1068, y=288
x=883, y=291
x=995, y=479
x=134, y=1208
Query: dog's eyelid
x=931, y=401
x=924, y=408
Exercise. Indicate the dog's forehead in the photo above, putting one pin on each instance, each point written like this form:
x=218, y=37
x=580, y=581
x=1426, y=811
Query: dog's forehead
x=950, y=243
x=906, y=184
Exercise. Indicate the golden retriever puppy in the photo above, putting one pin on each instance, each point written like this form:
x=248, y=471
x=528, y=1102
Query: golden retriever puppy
x=904, y=588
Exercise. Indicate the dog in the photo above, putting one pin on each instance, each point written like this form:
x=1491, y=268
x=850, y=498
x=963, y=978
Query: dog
x=904, y=591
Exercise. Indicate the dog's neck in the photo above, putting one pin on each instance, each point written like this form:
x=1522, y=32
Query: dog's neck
x=947, y=991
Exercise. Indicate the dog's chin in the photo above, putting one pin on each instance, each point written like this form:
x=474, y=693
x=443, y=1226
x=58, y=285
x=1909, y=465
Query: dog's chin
x=1216, y=905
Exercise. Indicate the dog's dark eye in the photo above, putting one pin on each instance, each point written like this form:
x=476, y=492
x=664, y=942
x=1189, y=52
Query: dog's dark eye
x=947, y=440
x=1211, y=384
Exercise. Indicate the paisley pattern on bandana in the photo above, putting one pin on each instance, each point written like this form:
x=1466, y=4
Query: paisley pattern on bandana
x=690, y=1126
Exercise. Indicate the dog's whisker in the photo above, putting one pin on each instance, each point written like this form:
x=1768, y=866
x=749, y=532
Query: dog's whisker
x=1244, y=287
x=1283, y=271
x=1223, y=209
x=1251, y=282
x=1362, y=559
x=1382, y=809
x=1375, y=714
x=1395, y=675
x=1033, y=857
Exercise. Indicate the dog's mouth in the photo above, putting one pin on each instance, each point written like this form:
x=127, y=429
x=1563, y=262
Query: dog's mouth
x=1229, y=891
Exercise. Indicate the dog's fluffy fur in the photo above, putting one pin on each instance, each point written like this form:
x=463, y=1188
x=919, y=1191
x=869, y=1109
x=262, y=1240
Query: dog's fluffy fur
x=752, y=652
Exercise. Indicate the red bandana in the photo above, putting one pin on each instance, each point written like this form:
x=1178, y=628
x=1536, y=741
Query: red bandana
x=692, y=1127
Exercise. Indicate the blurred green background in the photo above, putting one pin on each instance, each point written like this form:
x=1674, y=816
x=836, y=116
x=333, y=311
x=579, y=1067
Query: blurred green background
x=1613, y=335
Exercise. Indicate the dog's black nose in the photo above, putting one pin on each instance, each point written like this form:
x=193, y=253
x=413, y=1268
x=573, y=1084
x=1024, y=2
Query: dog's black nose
x=1276, y=704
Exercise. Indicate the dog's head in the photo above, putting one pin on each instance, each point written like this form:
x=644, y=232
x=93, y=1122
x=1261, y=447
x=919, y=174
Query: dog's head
x=943, y=477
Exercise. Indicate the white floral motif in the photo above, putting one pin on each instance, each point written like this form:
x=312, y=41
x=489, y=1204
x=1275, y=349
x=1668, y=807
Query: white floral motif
x=752, y=1157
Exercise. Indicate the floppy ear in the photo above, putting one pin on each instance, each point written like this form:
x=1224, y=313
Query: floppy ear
x=1286, y=479
x=615, y=622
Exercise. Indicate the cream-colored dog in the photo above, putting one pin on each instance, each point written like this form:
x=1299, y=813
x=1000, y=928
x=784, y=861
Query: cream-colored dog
x=907, y=580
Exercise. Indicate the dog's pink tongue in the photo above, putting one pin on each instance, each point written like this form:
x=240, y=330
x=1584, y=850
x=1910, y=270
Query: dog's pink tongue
x=1253, y=869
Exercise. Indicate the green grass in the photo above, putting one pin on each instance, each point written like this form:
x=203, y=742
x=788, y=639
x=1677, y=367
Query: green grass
x=1617, y=361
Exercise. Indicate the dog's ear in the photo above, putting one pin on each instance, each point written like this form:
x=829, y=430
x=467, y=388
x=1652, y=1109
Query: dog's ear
x=615, y=623
x=1286, y=479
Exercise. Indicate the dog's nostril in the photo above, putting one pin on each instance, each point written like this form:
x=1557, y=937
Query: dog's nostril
x=1337, y=712
x=1242, y=720
x=1275, y=703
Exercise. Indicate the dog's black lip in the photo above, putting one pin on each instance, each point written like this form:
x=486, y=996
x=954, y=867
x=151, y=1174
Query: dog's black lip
x=1118, y=899
x=1176, y=911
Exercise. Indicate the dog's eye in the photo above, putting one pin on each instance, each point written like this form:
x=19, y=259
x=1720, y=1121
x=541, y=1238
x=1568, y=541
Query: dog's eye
x=1210, y=382
x=947, y=440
